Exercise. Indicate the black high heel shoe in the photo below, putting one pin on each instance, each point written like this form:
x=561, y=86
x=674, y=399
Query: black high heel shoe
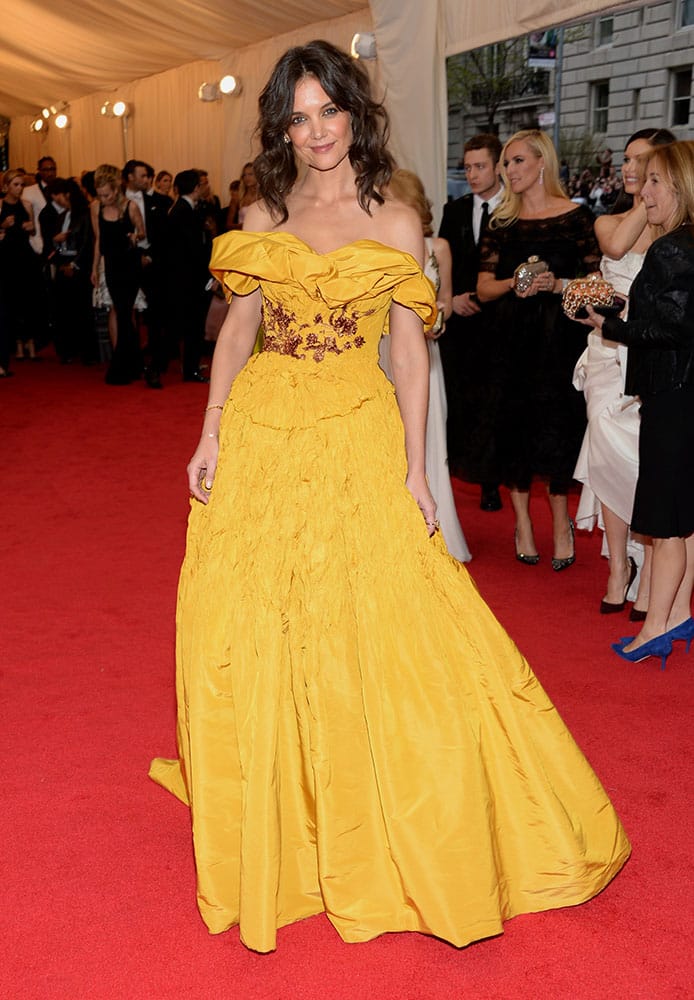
x=521, y=556
x=606, y=607
x=559, y=564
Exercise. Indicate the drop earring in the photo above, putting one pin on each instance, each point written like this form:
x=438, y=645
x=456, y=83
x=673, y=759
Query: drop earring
x=542, y=175
x=287, y=140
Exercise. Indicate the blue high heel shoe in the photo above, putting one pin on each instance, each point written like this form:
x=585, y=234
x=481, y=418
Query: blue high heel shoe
x=683, y=631
x=660, y=646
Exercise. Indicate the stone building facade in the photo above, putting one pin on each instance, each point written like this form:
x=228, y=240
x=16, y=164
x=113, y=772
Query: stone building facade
x=631, y=70
x=621, y=71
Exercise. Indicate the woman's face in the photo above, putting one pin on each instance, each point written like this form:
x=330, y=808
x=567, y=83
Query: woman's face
x=320, y=132
x=522, y=166
x=659, y=196
x=165, y=183
x=107, y=195
x=634, y=167
x=15, y=187
x=248, y=177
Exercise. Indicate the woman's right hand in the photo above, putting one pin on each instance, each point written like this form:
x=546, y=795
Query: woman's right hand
x=202, y=467
x=419, y=488
x=593, y=319
x=465, y=304
x=543, y=282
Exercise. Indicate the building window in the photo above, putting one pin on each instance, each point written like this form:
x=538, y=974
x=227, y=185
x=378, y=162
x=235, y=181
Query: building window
x=681, y=95
x=601, y=104
x=686, y=13
x=605, y=30
x=635, y=105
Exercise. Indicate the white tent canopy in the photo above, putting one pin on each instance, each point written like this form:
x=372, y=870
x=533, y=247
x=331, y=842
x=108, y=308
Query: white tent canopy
x=156, y=55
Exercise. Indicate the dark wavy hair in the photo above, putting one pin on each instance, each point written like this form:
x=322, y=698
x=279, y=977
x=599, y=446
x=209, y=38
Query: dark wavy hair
x=67, y=185
x=346, y=83
x=655, y=137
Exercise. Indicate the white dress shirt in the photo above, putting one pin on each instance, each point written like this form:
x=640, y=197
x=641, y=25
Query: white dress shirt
x=477, y=203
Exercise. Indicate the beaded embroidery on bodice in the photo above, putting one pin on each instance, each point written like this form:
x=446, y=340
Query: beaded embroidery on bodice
x=333, y=332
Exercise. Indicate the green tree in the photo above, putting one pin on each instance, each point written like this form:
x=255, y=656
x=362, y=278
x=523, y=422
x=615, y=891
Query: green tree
x=492, y=75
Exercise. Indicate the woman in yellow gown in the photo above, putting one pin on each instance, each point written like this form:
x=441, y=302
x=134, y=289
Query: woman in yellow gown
x=357, y=734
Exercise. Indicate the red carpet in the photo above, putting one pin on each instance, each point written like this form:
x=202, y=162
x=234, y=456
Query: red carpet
x=98, y=883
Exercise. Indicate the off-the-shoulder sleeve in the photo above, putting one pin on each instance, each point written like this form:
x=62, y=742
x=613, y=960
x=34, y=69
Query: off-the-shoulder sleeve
x=234, y=264
x=416, y=292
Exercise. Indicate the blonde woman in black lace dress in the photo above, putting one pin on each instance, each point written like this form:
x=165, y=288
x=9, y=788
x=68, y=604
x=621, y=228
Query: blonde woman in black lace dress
x=541, y=418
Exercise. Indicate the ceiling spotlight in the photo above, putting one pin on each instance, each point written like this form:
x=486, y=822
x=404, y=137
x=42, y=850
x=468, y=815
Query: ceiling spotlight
x=230, y=85
x=119, y=109
x=208, y=92
x=39, y=124
x=62, y=120
x=46, y=112
x=364, y=46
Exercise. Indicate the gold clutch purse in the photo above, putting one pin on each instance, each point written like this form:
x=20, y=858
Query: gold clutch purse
x=591, y=291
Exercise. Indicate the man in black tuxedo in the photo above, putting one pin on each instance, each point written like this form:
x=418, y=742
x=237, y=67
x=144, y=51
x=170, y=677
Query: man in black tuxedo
x=187, y=273
x=467, y=347
x=38, y=195
x=154, y=210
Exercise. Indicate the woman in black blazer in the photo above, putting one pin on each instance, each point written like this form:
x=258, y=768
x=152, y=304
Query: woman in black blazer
x=660, y=336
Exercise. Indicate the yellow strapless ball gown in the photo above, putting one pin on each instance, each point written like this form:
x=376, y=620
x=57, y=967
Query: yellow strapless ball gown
x=357, y=733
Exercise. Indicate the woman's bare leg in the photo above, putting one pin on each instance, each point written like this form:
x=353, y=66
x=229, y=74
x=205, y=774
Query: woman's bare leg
x=525, y=540
x=641, y=602
x=669, y=576
x=616, y=533
x=561, y=530
x=682, y=605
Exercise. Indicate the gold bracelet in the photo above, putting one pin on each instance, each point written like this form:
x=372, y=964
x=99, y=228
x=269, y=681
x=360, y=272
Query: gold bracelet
x=214, y=406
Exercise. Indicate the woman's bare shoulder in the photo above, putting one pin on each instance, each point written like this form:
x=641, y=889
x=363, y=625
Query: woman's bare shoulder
x=258, y=218
x=399, y=226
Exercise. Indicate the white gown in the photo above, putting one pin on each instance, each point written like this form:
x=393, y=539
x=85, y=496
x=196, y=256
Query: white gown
x=436, y=450
x=608, y=463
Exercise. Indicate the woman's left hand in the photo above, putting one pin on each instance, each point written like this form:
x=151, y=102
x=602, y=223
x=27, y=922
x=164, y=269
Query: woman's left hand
x=419, y=488
x=594, y=319
x=544, y=282
x=439, y=326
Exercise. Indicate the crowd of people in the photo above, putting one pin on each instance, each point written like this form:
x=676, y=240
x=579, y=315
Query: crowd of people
x=599, y=188
x=131, y=243
x=529, y=400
